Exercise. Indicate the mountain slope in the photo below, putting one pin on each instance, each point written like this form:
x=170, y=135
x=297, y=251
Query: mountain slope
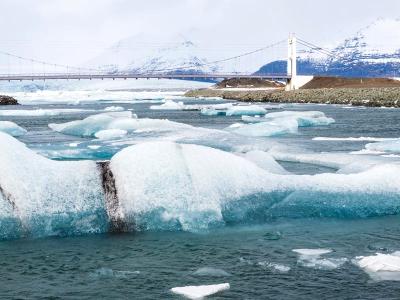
x=371, y=52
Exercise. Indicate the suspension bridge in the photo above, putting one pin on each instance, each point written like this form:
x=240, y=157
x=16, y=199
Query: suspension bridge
x=177, y=72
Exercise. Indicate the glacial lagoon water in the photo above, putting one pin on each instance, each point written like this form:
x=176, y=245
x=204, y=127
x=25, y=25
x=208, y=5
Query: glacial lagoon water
x=252, y=249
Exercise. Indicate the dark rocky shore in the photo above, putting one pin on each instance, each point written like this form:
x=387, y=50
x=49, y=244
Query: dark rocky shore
x=7, y=100
x=357, y=92
x=372, y=97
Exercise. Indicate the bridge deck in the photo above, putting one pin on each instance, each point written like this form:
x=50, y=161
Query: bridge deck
x=69, y=76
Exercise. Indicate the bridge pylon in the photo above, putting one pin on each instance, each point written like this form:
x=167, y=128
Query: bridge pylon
x=292, y=63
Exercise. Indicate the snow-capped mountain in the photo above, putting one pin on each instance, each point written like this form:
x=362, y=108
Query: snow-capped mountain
x=372, y=51
x=140, y=54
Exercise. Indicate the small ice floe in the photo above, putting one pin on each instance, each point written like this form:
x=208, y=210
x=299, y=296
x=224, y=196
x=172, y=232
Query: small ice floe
x=11, y=128
x=311, y=258
x=211, y=272
x=381, y=266
x=169, y=105
x=73, y=145
x=200, y=291
x=114, y=108
x=274, y=267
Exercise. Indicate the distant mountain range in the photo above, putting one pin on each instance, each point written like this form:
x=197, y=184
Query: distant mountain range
x=373, y=51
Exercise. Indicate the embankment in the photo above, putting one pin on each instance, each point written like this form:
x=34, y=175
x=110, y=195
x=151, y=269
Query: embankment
x=354, y=91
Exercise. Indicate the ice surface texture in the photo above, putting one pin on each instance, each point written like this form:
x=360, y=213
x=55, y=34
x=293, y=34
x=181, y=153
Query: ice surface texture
x=170, y=186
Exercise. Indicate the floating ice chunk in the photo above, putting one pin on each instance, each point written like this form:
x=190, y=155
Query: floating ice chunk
x=11, y=128
x=201, y=291
x=109, y=134
x=267, y=129
x=169, y=105
x=89, y=126
x=303, y=118
x=265, y=161
x=312, y=252
x=211, y=272
x=114, y=108
x=381, y=266
x=248, y=110
x=212, y=112
x=311, y=258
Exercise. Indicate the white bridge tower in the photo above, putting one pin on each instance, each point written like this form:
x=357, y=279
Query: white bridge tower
x=292, y=63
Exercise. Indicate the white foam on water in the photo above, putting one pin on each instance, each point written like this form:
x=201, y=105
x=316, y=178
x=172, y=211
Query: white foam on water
x=274, y=266
x=201, y=291
x=211, y=272
x=381, y=266
x=11, y=128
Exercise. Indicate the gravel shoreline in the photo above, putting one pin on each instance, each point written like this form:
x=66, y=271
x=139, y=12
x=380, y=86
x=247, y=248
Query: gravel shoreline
x=370, y=97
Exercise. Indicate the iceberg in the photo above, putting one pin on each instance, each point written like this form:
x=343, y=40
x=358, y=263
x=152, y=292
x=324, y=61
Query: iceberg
x=41, y=197
x=11, y=128
x=168, y=186
x=303, y=118
x=91, y=125
x=201, y=291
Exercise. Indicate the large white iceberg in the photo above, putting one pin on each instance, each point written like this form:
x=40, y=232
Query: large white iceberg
x=11, y=128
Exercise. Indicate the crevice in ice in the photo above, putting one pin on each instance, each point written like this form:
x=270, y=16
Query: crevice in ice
x=117, y=223
x=9, y=198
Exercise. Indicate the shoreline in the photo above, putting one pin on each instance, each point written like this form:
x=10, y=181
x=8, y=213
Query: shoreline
x=369, y=97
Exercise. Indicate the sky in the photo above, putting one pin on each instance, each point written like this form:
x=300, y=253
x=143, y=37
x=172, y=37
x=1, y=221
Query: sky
x=74, y=31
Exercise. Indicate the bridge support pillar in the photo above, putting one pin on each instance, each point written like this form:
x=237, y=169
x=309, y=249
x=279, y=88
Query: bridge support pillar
x=292, y=63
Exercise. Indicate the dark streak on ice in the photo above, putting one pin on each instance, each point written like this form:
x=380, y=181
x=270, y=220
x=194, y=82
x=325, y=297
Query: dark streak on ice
x=117, y=224
x=8, y=197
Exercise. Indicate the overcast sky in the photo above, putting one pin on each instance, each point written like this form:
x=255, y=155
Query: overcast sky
x=73, y=31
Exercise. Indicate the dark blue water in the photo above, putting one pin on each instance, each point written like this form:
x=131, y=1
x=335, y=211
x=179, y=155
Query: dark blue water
x=147, y=265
